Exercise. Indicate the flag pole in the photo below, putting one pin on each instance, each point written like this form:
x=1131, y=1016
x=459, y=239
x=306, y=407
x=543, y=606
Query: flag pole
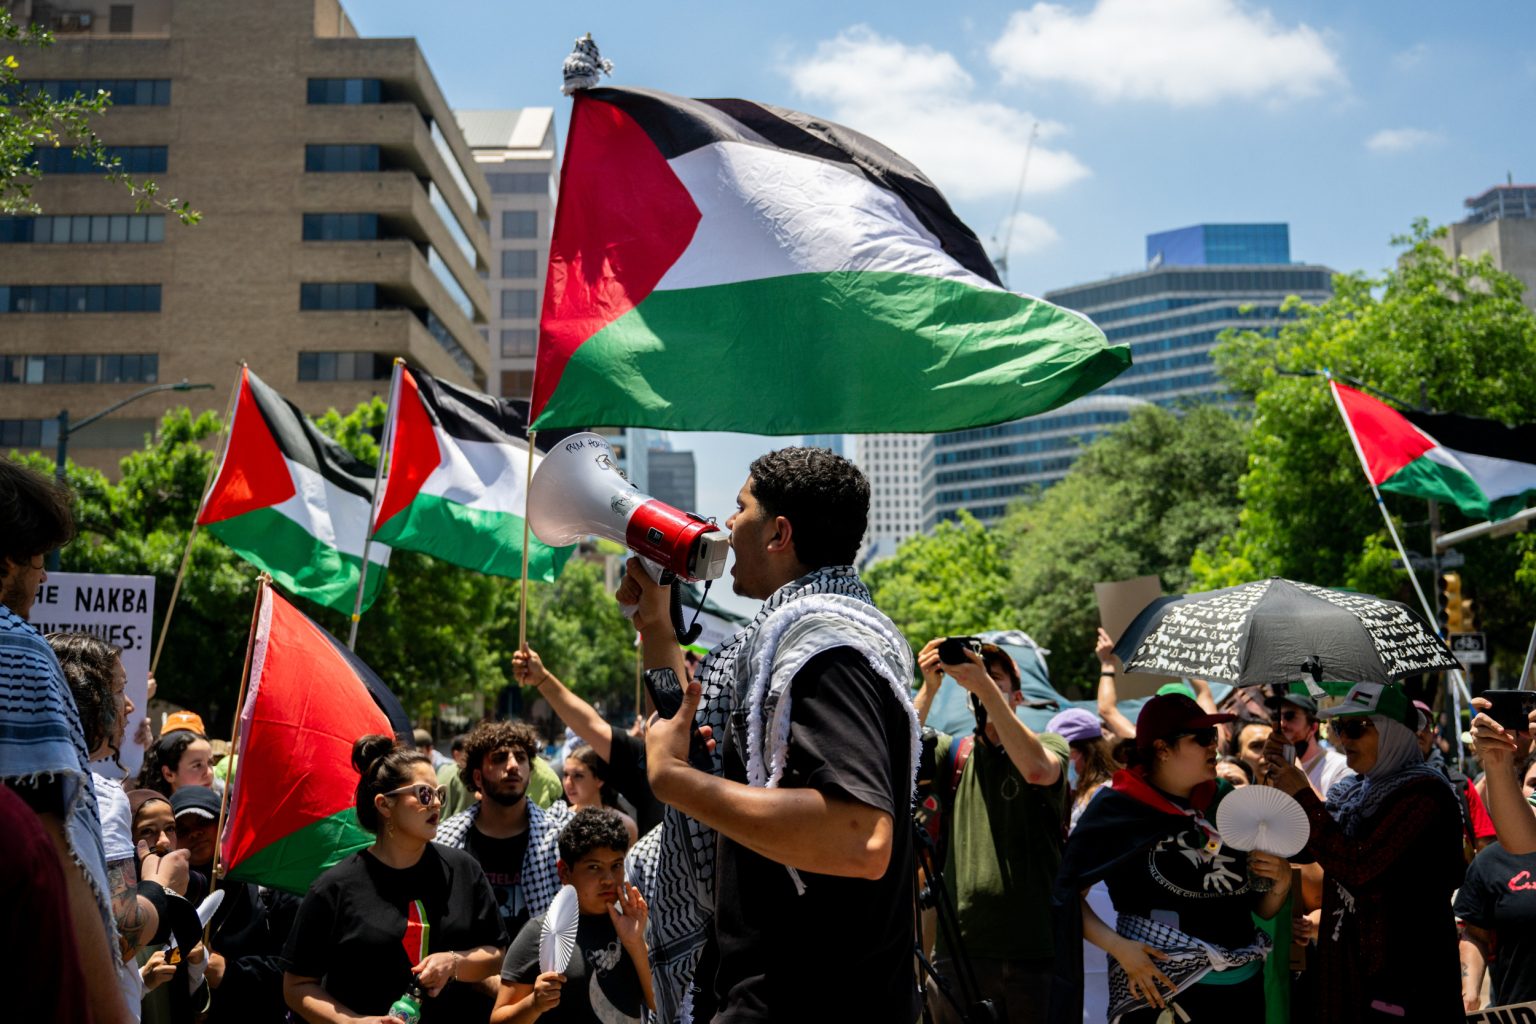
x=386, y=441
x=219, y=447
x=1429, y=614
x=263, y=583
x=522, y=603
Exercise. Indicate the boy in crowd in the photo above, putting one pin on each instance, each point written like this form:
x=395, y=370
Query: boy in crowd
x=609, y=976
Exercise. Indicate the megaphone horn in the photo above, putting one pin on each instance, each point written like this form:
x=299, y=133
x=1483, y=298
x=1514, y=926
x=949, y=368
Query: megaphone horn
x=578, y=490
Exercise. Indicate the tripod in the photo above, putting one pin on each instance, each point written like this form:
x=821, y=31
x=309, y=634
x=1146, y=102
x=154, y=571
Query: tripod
x=969, y=1007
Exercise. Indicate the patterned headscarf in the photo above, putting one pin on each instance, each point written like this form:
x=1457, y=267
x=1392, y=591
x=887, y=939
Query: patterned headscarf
x=1357, y=799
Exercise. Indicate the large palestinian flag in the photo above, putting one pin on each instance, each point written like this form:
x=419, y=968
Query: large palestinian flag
x=292, y=810
x=458, y=478
x=292, y=502
x=1482, y=467
x=727, y=265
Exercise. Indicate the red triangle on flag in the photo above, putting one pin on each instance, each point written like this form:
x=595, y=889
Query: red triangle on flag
x=254, y=473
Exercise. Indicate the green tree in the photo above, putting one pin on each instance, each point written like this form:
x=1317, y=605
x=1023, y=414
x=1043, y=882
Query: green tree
x=1450, y=334
x=949, y=582
x=1140, y=500
x=31, y=120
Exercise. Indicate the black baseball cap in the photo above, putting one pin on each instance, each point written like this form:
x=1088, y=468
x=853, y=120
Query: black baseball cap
x=196, y=800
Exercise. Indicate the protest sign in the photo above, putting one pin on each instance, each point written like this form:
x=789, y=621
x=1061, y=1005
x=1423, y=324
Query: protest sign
x=119, y=610
x=1514, y=1013
x=1119, y=603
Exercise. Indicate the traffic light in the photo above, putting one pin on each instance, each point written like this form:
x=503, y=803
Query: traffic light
x=1452, y=608
x=1468, y=623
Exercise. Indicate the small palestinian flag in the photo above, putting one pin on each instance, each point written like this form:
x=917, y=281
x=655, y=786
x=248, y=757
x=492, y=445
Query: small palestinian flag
x=292, y=804
x=292, y=502
x=1484, y=468
x=727, y=265
x=458, y=475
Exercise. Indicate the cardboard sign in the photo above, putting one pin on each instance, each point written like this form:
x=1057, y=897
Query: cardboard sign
x=1514, y=1013
x=1119, y=604
x=119, y=610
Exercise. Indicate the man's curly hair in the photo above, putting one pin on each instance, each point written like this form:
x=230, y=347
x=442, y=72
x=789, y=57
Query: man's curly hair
x=824, y=497
x=490, y=736
x=592, y=828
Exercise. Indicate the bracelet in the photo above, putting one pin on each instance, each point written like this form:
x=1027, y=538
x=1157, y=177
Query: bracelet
x=1107, y=675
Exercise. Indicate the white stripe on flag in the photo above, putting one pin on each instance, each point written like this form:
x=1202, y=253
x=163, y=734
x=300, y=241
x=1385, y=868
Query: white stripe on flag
x=332, y=516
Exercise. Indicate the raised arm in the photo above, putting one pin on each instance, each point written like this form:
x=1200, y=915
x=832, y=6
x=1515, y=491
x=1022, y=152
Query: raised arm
x=1109, y=699
x=1039, y=766
x=1495, y=747
x=529, y=670
x=933, y=677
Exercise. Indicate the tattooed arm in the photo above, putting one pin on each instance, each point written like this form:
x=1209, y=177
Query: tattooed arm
x=136, y=918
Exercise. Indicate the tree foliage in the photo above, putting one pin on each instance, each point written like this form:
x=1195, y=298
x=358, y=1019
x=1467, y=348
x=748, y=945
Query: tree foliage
x=949, y=582
x=1446, y=334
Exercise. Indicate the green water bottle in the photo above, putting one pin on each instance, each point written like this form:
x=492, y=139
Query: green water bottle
x=408, y=1007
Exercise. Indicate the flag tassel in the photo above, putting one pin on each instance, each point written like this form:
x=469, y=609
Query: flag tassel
x=386, y=441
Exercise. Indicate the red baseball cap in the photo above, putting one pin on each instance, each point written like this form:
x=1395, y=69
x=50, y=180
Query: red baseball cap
x=1170, y=714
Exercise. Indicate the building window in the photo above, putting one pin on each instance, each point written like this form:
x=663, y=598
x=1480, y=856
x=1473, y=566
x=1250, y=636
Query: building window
x=518, y=184
x=348, y=91
x=125, y=92
x=132, y=159
x=345, y=295
x=344, y=366
x=80, y=298
x=115, y=227
x=518, y=342
x=82, y=369
x=340, y=227
x=516, y=383
x=120, y=19
x=21, y=433
x=519, y=224
x=335, y=159
x=519, y=302
x=519, y=263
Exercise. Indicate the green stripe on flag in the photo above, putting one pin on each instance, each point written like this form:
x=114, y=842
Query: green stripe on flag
x=854, y=351
x=294, y=861
x=1426, y=478
x=486, y=541
x=298, y=560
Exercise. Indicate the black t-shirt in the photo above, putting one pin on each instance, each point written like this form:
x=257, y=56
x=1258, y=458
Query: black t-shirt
x=502, y=862
x=849, y=737
x=350, y=929
x=601, y=983
x=1499, y=895
x=1178, y=882
x=626, y=773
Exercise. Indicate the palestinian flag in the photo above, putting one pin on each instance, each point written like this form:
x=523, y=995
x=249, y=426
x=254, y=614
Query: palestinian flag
x=458, y=477
x=1482, y=467
x=292, y=502
x=727, y=265
x=292, y=804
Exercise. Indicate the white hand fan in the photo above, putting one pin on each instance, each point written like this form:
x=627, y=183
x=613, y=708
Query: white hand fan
x=1264, y=819
x=205, y=911
x=557, y=936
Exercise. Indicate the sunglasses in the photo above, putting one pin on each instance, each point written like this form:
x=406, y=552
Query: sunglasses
x=1353, y=728
x=426, y=795
x=1202, y=737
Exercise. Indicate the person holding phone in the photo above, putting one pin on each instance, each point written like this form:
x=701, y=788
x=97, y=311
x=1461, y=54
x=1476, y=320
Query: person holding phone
x=1388, y=841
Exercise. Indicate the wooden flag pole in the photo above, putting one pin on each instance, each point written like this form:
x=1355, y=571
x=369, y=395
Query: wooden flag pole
x=263, y=583
x=219, y=448
x=386, y=442
x=522, y=603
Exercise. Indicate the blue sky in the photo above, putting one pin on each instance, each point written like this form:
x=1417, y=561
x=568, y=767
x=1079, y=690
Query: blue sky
x=1345, y=120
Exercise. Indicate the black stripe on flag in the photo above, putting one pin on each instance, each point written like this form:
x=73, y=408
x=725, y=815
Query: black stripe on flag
x=301, y=441
x=471, y=416
x=1478, y=436
x=678, y=125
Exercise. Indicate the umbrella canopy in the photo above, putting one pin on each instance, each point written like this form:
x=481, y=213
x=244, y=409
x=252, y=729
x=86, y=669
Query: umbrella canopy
x=1278, y=631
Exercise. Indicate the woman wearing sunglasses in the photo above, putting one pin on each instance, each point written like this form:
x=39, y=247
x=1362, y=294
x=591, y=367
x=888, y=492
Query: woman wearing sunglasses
x=1185, y=931
x=403, y=916
x=1389, y=843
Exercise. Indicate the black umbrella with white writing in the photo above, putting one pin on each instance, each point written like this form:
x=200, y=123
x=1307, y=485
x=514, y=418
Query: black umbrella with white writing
x=1278, y=631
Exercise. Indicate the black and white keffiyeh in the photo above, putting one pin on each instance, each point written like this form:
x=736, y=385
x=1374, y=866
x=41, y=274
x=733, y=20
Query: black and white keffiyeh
x=1189, y=959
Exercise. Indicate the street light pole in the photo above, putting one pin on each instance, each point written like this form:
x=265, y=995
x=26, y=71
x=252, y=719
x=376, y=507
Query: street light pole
x=66, y=429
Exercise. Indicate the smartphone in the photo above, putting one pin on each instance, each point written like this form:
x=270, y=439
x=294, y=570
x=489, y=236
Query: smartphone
x=1511, y=708
x=952, y=649
x=666, y=692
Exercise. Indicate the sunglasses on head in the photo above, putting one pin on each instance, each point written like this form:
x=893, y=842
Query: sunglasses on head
x=426, y=795
x=1202, y=737
x=1353, y=728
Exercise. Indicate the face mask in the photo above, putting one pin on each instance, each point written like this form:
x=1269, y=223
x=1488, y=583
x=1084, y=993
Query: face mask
x=1071, y=775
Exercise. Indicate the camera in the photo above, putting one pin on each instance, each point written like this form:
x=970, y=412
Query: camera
x=952, y=649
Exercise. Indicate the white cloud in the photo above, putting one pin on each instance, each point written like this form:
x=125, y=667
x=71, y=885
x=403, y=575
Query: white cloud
x=921, y=103
x=1029, y=234
x=1401, y=140
x=1411, y=58
x=1181, y=52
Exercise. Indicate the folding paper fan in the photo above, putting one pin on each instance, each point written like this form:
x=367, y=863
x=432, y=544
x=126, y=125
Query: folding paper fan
x=557, y=936
x=1261, y=818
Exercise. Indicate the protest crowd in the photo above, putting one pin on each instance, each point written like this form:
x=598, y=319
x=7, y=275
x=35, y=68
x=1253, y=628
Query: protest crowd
x=755, y=856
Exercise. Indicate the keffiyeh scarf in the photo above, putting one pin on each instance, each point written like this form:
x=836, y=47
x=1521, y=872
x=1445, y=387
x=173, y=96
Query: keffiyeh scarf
x=1355, y=800
x=1189, y=959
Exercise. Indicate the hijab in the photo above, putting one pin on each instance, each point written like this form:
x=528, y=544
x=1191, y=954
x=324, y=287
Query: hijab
x=1354, y=801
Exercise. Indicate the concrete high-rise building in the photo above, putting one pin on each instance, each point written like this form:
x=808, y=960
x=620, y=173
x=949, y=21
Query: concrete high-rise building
x=893, y=464
x=520, y=157
x=832, y=442
x=673, y=478
x=1502, y=223
x=1200, y=281
x=345, y=221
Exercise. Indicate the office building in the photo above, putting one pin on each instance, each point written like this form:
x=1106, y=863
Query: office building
x=1199, y=282
x=833, y=442
x=893, y=463
x=516, y=150
x=345, y=221
x=1500, y=222
x=672, y=477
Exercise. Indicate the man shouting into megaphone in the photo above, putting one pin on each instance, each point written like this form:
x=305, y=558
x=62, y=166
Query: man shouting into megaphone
x=813, y=755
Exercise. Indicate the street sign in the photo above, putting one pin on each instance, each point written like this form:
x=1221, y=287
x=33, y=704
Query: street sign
x=1470, y=648
x=1452, y=559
